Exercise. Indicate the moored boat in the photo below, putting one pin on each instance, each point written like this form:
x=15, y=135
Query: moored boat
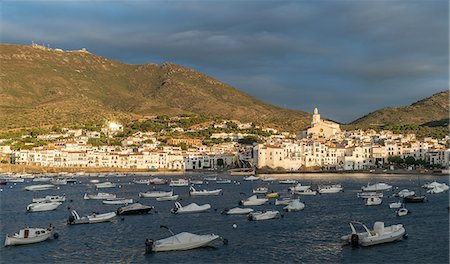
x=223, y=181
x=39, y=187
x=253, y=200
x=272, y=195
x=299, y=187
x=305, y=192
x=134, y=209
x=365, y=195
x=158, y=181
x=373, y=201
x=167, y=198
x=395, y=205
x=155, y=194
x=50, y=198
x=190, y=208
x=29, y=236
x=377, y=187
x=105, y=185
x=179, y=183
x=283, y=201
x=194, y=192
x=405, y=192
x=414, y=199
x=402, y=211
x=237, y=211
x=261, y=190
x=94, y=218
x=99, y=196
x=268, y=179
x=335, y=188
x=379, y=235
x=294, y=206
x=287, y=181
x=263, y=215
x=118, y=201
x=41, y=207
x=251, y=178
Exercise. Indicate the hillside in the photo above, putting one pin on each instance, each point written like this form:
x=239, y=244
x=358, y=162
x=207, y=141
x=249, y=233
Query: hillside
x=42, y=87
x=431, y=111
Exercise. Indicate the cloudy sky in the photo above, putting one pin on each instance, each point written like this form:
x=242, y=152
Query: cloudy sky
x=346, y=57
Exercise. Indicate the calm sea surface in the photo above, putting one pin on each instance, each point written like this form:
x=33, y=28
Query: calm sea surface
x=310, y=236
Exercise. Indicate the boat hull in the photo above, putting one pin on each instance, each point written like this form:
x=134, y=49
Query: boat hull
x=12, y=241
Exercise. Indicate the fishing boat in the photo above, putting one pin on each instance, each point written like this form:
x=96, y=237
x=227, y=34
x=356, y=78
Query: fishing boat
x=94, y=218
x=41, y=207
x=39, y=187
x=29, y=236
x=366, y=195
x=181, y=241
x=158, y=181
x=395, y=205
x=134, y=209
x=335, y=188
x=263, y=215
x=194, y=192
x=105, y=185
x=373, y=201
x=253, y=201
x=167, y=198
x=272, y=195
x=99, y=196
x=50, y=198
x=288, y=182
x=156, y=194
x=305, y=192
x=294, y=206
x=237, y=211
x=251, y=178
x=379, y=235
x=118, y=201
x=402, y=212
x=377, y=187
x=261, y=190
x=299, y=187
x=190, y=208
x=179, y=183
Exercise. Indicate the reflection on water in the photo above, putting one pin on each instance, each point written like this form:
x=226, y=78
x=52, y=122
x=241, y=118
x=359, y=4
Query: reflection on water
x=311, y=236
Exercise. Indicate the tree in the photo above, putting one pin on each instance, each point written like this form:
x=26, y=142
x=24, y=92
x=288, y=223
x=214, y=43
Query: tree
x=410, y=160
x=395, y=159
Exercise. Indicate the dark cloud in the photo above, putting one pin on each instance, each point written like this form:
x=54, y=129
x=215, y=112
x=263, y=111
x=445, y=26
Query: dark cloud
x=346, y=57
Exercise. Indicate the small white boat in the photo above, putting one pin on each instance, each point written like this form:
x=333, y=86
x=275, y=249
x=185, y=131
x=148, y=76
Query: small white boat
x=432, y=185
x=335, y=188
x=438, y=189
x=263, y=215
x=99, y=196
x=181, y=241
x=50, y=198
x=155, y=194
x=221, y=181
x=197, y=182
x=380, y=234
x=294, y=206
x=377, y=187
x=305, y=192
x=373, y=201
x=118, y=201
x=283, y=201
x=365, y=195
x=28, y=236
x=194, y=192
x=167, y=198
x=75, y=218
x=269, y=179
x=405, y=193
x=179, y=183
x=299, y=187
x=42, y=179
x=395, y=205
x=191, y=208
x=134, y=209
x=16, y=180
x=105, y=185
x=288, y=182
x=41, y=207
x=39, y=187
x=158, y=181
x=141, y=181
x=402, y=212
x=253, y=201
x=237, y=211
x=211, y=179
x=59, y=181
x=251, y=178
x=94, y=181
x=261, y=190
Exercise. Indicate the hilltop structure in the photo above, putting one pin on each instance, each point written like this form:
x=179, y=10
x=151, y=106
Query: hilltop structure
x=322, y=128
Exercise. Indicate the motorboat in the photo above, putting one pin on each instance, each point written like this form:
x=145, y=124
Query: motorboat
x=335, y=188
x=158, y=181
x=432, y=185
x=41, y=207
x=211, y=178
x=134, y=209
x=39, y=187
x=191, y=208
x=261, y=190
x=99, y=196
x=156, y=194
x=179, y=183
x=16, y=180
x=402, y=211
x=299, y=187
x=405, y=192
x=373, y=201
x=194, y=192
x=50, y=198
x=414, y=199
x=251, y=178
x=223, y=181
x=283, y=201
x=253, y=200
x=272, y=195
x=118, y=201
x=141, y=181
x=59, y=181
x=181, y=241
x=237, y=211
x=395, y=205
x=288, y=182
x=42, y=179
x=263, y=215
x=294, y=206
x=29, y=236
x=269, y=179
x=305, y=192
x=379, y=235
x=105, y=185
x=377, y=187
x=197, y=182
x=167, y=198
x=94, y=218
x=438, y=189
x=365, y=195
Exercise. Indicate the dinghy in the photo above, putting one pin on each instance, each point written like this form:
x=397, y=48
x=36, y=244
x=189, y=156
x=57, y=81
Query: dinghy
x=118, y=201
x=155, y=194
x=197, y=182
x=105, y=185
x=50, y=198
x=191, y=208
x=380, y=234
x=39, y=187
x=167, y=198
x=402, y=212
x=294, y=206
x=181, y=241
x=41, y=207
x=253, y=200
x=99, y=196
x=263, y=215
x=237, y=211
x=75, y=218
x=29, y=236
x=395, y=205
x=194, y=192
x=373, y=201
x=134, y=209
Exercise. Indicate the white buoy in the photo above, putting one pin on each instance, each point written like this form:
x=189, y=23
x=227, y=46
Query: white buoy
x=1, y=190
x=234, y=226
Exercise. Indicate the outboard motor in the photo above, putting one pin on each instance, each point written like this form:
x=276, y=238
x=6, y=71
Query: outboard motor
x=148, y=246
x=354, y=240
x=71, y=219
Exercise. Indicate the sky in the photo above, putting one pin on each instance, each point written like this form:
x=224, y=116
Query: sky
x=347, y=58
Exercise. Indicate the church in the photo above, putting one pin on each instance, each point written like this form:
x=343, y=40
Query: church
x=322, y=128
